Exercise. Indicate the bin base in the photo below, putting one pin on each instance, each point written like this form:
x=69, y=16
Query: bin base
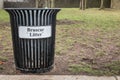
x=35, y=70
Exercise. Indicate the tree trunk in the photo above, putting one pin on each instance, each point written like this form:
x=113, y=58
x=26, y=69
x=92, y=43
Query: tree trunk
x=111, y=3
x=83, y=4
x=52, y=3
x=80, y=4
x=42, y=3
x=102, y=4
x=48, y=3
x=36, y=3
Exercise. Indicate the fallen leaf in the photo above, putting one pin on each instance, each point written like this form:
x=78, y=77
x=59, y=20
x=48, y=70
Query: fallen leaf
x=1, y=62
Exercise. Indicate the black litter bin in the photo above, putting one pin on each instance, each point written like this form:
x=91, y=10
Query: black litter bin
x=33, y=34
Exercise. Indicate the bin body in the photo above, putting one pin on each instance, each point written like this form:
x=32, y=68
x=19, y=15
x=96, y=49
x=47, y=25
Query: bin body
x=33, y=35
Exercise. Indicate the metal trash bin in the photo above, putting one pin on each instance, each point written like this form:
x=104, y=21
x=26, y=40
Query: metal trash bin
x=33, y=34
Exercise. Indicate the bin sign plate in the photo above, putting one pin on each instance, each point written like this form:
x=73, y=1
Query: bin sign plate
x=34, y=32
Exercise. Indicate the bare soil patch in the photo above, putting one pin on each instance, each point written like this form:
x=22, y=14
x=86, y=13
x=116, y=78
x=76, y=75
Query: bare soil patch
x=68, y=22
x=75, y=47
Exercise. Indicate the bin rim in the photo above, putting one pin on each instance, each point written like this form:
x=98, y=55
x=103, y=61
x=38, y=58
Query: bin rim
x=32, y=8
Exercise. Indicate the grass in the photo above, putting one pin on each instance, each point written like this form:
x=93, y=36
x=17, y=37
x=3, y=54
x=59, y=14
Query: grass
x=95, y=34
x=4, y=17
x=3, y=59
x=5, y=38
x=90, y=40
x=92, y=17
x=84, y=69
x=109, y=69
x=113, y=68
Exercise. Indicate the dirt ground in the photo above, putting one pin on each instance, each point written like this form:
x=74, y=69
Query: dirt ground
x=76, y=47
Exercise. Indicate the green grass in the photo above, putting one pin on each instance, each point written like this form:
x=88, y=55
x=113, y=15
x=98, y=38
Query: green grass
x=3, y=59
x=113, y=68
x=95, y=33
x=4, y=17
x=92, y=17
x=1, y=67
x=76, y=69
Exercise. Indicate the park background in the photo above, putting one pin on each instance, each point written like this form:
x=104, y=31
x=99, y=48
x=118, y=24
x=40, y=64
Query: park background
x=87, y=38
